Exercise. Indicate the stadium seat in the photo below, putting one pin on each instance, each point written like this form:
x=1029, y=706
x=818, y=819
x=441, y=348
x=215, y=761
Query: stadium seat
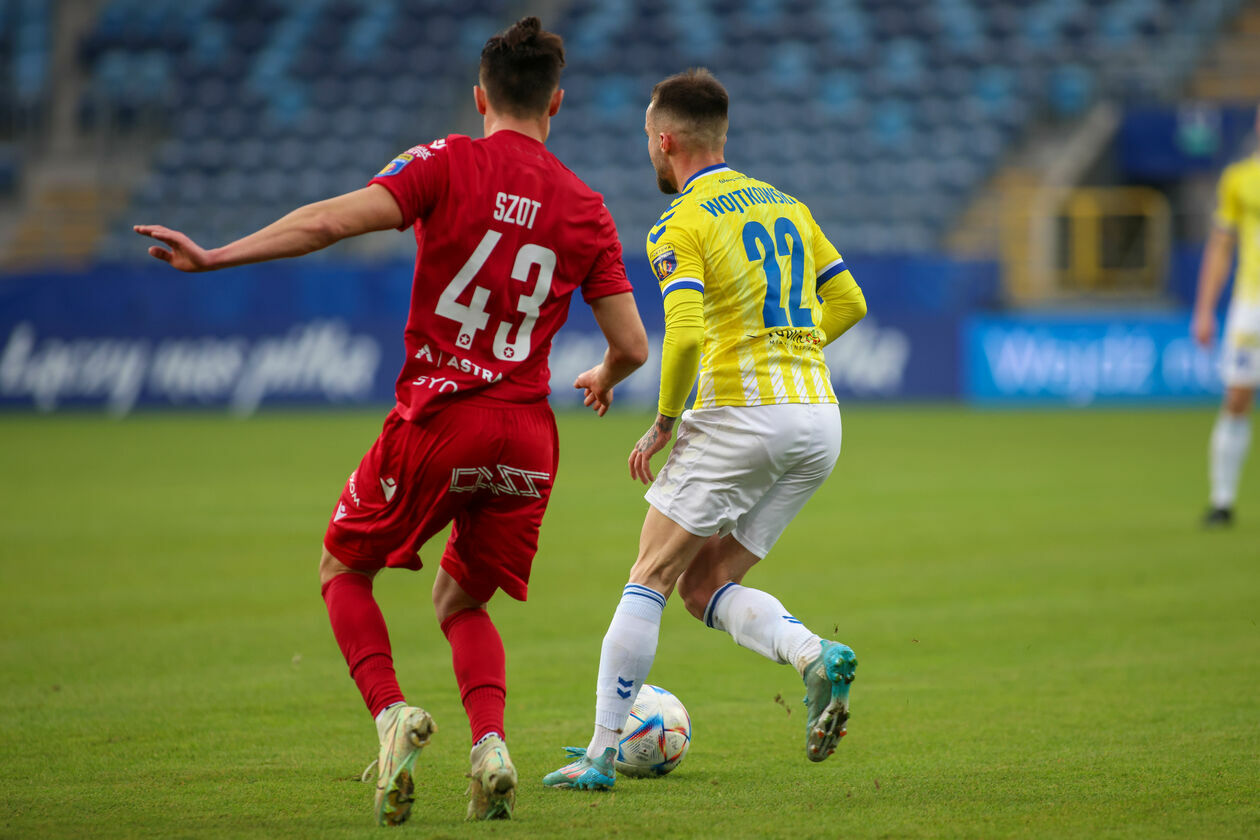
x=857, y=101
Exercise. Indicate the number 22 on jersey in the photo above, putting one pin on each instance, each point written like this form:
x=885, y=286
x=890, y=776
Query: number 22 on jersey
x=474, y=317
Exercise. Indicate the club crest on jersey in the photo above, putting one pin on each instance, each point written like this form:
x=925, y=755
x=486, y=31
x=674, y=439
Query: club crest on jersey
x=396, y=165
x=664, y=262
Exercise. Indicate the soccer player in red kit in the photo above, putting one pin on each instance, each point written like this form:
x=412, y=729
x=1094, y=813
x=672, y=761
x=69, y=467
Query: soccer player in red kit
x=504, y=235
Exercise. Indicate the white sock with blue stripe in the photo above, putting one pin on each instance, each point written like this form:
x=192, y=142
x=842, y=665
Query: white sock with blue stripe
x=1231, y=436
x=756, y=620
x=624, y=662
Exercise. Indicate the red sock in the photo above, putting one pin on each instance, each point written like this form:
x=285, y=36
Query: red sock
x=360, y=631
x=480, y=669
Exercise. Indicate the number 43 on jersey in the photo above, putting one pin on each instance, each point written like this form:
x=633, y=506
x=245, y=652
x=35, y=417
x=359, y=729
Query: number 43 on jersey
x=474, y=317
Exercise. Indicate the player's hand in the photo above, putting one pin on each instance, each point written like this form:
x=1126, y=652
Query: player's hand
x=598, y=394
x=653, y=441
x=184, y=254
x=1203, y=328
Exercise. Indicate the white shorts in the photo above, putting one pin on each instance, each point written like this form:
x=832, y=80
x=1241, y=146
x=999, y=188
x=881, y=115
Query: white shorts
x=746, y=471
x=1240, y=352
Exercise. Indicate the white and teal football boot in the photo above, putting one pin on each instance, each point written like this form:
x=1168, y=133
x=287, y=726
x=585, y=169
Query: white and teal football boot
x=827, y=682
x=584, y=773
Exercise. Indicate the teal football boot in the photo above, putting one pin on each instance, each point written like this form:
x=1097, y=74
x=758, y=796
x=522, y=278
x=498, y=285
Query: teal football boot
x=583, y=773
x=827, y=682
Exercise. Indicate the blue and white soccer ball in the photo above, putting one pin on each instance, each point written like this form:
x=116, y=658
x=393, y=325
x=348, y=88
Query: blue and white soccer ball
x=657, y=734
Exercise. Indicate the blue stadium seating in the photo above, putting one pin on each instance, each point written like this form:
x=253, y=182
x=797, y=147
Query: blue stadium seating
x=274, y=102
x=884, y=115
x=25, y=60
x=25, y=78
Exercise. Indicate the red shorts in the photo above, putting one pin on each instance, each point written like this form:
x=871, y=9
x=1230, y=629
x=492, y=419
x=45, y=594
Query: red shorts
x=485, y=464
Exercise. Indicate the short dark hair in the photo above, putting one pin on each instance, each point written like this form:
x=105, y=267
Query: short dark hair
x=697, y=101
x=520, y=68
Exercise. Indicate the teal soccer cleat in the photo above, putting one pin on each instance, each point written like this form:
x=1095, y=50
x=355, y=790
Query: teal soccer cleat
x=584, y=774
x=827, y=682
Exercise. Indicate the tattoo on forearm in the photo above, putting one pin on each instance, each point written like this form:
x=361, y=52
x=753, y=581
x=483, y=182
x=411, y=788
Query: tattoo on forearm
x=662, y=426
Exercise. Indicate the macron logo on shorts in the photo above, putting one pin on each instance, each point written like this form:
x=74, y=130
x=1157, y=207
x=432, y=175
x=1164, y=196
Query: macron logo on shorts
x=388, y=487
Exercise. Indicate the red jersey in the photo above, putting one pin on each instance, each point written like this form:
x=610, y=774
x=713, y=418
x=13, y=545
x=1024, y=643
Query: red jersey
x=504, y=234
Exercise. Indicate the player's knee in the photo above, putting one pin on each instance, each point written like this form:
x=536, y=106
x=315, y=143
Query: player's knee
x=327, y=570
x=449, y=597
x=444, y=603
x=656, y=574
x=1238, y=400
x=330, y=567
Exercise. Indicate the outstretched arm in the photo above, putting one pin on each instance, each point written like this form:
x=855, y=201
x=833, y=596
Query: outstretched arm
x=619, y=321
x=308, y=228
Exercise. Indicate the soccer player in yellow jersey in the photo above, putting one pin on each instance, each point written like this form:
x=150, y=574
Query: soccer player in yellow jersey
x=1237, y=223
x=742, y=267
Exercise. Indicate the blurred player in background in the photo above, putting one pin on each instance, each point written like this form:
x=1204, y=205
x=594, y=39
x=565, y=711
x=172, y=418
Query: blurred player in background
x=505, y=234
x=741, y=268
x=1237, y=223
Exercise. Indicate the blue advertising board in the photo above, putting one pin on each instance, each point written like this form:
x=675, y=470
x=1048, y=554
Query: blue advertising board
x=897, y=356
x=288, y=333
x=124, y=337
x=1083, y=359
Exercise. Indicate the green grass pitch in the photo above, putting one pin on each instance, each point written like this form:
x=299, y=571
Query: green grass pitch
x=1049, y=645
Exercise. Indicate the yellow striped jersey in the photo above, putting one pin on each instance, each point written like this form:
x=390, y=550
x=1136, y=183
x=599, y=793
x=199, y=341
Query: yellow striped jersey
x=1238, y=211
x=758, y=258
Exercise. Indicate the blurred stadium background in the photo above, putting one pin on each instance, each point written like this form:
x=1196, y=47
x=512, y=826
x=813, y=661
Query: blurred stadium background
x=1022, y=187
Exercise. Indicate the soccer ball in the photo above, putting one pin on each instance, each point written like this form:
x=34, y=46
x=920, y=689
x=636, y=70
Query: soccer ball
x=657, y=734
